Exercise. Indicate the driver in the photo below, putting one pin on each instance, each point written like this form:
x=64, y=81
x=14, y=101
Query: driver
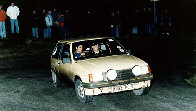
x=78, y=54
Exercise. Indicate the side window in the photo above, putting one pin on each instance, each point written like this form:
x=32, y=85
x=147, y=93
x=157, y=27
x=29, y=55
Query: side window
x=65, y=55
x=103, y=47
x=56, y=51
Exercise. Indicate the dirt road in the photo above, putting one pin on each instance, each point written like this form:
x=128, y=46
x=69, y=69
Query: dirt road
x=25, y=84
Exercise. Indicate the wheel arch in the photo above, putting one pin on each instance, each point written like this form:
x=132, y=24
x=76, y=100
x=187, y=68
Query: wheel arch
x=76, y=78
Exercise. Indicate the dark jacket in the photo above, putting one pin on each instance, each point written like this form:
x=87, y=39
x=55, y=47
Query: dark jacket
x=67, y=19
x=42, y=22
x=115, y=19
x=35, y=20
x=93, y=54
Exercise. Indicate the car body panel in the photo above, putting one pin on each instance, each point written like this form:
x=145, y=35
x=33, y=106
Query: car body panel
x=117, y=62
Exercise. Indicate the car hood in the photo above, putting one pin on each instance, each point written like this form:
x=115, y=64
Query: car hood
x=116, y=62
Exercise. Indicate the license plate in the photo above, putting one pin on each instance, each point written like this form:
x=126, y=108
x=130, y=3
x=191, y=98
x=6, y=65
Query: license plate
x=118, y=88
x=123, y=87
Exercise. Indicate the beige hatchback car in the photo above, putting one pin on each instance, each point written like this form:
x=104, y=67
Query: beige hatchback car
x=98, y=65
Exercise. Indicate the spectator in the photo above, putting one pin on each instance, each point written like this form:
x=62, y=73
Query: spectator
x=13, y=13
x=67, y=22
x=135, y=23
x=2, y=23
x=61, y=25
x=118, y=23
x=55, y=16
x=49, y=24
x=42, y=24
x=149, y=26
x=35, y=24
x=112, y=20
x=115, y=24
x=165, y=23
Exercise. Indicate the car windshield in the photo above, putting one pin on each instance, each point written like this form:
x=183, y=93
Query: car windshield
x=97, y=48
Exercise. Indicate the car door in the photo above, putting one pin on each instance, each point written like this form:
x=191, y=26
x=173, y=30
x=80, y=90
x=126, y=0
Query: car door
x=65, y=61
x=55, y=61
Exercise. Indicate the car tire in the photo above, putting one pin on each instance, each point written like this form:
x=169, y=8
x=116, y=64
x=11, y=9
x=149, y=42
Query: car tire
x=55, y=79
x=80, y=92
x=141, y=91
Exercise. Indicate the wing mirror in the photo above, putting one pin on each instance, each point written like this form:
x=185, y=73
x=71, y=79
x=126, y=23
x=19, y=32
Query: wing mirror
x=129, y=51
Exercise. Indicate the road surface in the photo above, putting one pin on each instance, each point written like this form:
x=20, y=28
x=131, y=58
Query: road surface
x=25, y=84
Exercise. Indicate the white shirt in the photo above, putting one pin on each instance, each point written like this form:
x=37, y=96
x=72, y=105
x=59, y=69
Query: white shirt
x=49, y=20
x=13, y=12
x=96, y=52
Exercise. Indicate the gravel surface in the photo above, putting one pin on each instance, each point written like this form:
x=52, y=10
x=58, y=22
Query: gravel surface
x=25, y=84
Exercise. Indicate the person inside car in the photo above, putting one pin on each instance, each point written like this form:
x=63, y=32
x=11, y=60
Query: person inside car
x=95, y=50
x=78, y=53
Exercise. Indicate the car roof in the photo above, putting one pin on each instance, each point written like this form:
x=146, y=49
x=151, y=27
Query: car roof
x=72, y=40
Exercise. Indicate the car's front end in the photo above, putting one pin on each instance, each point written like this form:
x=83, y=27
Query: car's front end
x=117, y=73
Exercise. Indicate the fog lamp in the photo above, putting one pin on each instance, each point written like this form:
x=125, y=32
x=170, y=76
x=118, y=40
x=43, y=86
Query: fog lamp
x=137, y=70
x=111, y=74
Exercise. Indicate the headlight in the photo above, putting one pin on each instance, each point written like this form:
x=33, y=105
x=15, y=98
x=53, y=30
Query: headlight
x=144, y=70
x=138, y=70
x=111, y=74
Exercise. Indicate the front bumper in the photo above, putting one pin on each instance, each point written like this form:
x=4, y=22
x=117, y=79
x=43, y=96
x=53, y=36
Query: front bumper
x=117, y=86
x=119, y=82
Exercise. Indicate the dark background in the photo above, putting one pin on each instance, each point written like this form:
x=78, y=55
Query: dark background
x=171, y=55
x=183, y=12
x=25, y=77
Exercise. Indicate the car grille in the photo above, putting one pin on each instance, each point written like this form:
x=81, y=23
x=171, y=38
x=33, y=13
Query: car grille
x=124, y=74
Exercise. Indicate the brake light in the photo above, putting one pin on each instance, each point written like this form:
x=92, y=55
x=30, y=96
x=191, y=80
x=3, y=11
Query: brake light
x=90, y=78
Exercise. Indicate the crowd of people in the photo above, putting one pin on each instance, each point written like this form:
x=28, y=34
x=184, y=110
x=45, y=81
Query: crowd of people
x=53, y=22
x=42, y=25
x=116, y=24
x=12, y=12
x=50, y=23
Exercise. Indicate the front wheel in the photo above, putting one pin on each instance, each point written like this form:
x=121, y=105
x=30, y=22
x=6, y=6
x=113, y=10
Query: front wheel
x=141, y=91
x=80, y=92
